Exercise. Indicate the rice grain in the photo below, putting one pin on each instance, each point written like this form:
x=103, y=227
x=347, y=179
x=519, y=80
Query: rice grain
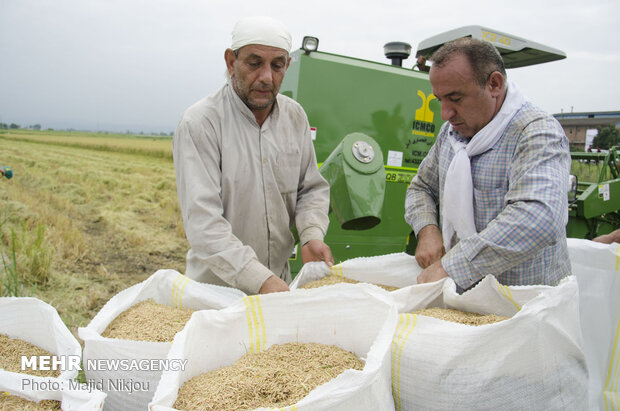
x=148, y=321
x=12, y=350
x=462, y=317
x=337, y=279
x=12, y=402
x=277, y=377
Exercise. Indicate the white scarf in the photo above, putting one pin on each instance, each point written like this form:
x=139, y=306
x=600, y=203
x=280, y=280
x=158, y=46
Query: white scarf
x=458, y=198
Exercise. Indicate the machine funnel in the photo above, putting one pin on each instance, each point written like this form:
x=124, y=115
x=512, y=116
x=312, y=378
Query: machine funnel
x=356, y=177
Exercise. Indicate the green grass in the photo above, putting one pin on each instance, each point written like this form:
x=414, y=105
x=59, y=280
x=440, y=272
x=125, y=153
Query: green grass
x=25, y=254
x=590, y=172
x=9, y=284
x=25, y=262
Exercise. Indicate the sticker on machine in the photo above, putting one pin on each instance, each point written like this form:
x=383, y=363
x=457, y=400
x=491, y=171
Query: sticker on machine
x=395, y=158
x=313, y=133
x=603, y=192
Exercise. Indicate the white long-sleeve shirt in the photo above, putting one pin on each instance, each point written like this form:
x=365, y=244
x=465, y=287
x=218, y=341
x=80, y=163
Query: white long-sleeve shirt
x=243, y=187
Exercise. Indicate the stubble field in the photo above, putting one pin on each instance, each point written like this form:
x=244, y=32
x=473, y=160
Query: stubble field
x=86, y=216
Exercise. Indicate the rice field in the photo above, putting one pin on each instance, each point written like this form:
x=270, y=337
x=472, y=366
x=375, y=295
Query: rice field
x=155, y=146
x=85, y=216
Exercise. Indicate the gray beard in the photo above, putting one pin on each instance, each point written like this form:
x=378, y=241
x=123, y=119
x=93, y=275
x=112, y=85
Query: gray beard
x=246, y=100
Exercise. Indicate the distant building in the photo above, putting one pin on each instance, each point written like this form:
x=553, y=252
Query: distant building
x=576, y=125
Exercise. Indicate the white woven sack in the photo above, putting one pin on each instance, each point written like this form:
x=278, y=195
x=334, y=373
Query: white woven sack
x=396, y=270
x=127, y=388
x=32, y=320
x=534, y=360
x=597, y=268
x=72, y=395
x=358, y=318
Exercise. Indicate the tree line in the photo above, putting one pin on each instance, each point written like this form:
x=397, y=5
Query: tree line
x=13, y=126
x=607, y=137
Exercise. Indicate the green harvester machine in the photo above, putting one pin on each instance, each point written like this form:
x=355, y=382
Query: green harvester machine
x=372, y=125
x=593, y=205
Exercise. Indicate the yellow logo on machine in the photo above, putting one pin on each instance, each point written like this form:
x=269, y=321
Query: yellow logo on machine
x=423, y=124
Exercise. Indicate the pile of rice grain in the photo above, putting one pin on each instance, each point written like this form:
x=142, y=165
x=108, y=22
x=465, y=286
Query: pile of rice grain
x=13, y=402
x=148, y=321
x=336, y=279
x=462, y=317
x=277, y=377
x=11, y=351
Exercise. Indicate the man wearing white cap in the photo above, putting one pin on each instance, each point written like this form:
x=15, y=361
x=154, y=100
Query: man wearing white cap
x=247, y=173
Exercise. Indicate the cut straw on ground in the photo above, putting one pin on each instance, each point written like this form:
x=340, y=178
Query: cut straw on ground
x=277, y=377
x=462, y=317
x=148, y=321
x=336, y=279
x=11, y=352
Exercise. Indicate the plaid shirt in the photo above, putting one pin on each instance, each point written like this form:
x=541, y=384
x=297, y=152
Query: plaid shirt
x=520, y=204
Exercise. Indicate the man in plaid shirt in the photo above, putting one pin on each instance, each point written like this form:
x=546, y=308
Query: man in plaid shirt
x=495, y=180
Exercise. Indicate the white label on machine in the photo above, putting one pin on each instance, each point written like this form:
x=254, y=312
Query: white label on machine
x=313, y=133
x=395, y=158
x=603, y=191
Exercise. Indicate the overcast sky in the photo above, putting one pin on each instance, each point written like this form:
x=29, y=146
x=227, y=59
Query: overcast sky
x=137, y=64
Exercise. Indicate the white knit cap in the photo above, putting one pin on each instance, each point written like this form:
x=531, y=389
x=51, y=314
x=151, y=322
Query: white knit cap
x=261, y=30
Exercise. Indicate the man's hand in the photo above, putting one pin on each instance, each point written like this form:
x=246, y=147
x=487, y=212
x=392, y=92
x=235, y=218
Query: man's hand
x=316, y=250
x=430, y=246
x=432, y=273
x=273, y=284
x=613, y=237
